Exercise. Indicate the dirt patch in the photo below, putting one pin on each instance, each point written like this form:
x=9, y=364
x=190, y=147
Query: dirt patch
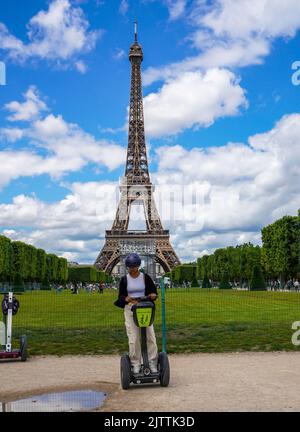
x=199, y=382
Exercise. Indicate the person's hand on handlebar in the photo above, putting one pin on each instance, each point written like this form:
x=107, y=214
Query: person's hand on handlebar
x=131, y=300
x=152, y=296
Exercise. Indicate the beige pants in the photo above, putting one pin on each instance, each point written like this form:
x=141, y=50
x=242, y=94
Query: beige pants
x=133, y=333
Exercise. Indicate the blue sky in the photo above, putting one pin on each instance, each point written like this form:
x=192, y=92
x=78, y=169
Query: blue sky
x=221, y=115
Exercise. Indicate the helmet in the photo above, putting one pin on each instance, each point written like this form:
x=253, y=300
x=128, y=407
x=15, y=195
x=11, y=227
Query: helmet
x=133, y=260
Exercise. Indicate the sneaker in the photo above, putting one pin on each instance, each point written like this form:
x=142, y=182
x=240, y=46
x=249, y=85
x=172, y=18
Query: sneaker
x=136, y=369
x=153, y=368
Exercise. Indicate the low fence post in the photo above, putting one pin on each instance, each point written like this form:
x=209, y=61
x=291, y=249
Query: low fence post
x=163, y=315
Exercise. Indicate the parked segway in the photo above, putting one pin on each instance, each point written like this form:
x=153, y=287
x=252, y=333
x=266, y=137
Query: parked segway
x=143, y=316
x=10, y=307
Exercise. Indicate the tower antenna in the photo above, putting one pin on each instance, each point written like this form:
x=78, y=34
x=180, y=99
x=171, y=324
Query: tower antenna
x=135, y=30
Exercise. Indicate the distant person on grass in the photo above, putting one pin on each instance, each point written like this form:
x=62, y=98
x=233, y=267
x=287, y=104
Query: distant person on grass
x=133, y=285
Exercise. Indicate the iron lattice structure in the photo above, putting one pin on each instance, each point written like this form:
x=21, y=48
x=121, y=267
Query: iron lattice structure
x=136, y=187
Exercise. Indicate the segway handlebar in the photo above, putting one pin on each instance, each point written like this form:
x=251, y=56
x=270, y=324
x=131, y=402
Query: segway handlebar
x=143, y=298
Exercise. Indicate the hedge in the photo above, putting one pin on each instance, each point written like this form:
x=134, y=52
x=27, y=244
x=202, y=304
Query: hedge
x=21, y=263
x=87, y=274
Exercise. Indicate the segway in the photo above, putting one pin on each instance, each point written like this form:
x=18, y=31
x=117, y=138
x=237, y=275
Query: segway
x=10, y=307
x=143, y=316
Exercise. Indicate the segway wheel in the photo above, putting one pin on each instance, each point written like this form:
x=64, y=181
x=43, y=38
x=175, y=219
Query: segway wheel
x=23, y=348
x=125, y=371
x=164, y=369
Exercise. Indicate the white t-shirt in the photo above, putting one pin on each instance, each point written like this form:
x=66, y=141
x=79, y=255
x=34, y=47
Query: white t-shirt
x=136, y=286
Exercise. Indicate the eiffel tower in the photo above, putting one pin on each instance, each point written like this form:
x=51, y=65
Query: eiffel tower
x=136, y=188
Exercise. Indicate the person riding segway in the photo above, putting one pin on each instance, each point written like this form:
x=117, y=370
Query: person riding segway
x=137, y=294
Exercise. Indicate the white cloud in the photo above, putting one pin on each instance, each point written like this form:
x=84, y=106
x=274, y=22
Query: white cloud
x=193, y=99
x=243, y=19
x=81, y=67
x=230, y=33
x=59, y=34
x=16, y=164
x=11, y=134
x=176, y=8
x=123, y=8
x=227, y=34
x=241, y=53
x=50, y=127
x=73, y=146
x=119, y=54
x=246, y=186
x=66, y=147
x=71, y=227
x=28, y=110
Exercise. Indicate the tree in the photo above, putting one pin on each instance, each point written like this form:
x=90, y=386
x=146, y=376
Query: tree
x=281, y=253
x=221, y=263
x=206, y=283
x=85, y=273
x=19, y=270
x=21, y=262
x=5, y=258
x=225, y=281
x=62, y=270
x=41, y=265
x=257, y=281
x=233, y=259
x=30, y=263
x=18, y=285
x=202, y=267
x=185, y=272
x=210, y=265
x=52, y=267
x=195, y=283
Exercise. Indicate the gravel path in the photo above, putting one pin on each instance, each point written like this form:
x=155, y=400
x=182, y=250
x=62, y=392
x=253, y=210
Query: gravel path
x=199, y=382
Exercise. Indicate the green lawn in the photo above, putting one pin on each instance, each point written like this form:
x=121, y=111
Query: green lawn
x=198, y=320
